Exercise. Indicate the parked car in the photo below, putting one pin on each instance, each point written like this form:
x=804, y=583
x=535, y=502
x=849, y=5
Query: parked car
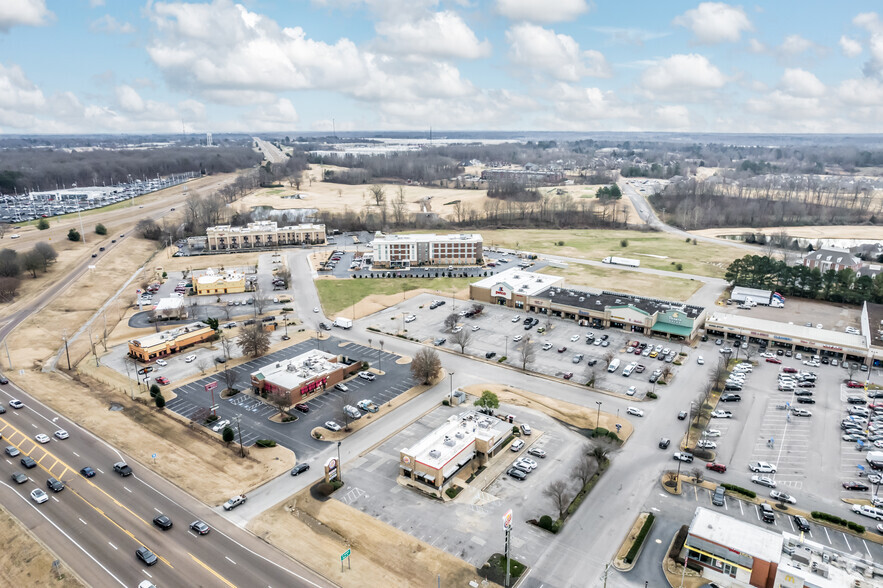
x=332, y=426
x=801, y=523
x=721, y=414
x=516, y=473
x=716, y=467
x=855, y=485
x=366, y=375
x=764, y=481
x=762, y=467
x=682, y=415
x=717, y=498
x=782, y=497
x=516, y=445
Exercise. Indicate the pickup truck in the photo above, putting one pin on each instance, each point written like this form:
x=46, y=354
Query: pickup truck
x=367, y=405
x=234, y=502
x=122, y=468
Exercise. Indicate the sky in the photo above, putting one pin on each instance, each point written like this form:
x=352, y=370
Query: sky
x=144, y=66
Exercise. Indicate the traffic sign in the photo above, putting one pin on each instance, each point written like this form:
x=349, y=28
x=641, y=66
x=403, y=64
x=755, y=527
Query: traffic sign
x=154, y=456
x=211, y=386
x=507, y=519
x=345, y=554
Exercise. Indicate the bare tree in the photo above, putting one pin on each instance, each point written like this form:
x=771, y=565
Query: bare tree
x=201, y=364
x=399, y=206
x=750, y=351
x=600, y=453
x=608, y=357
x=226, y=345
x=591, y=376
x=282, y=402
x=585, y=468
x=253, y=340
x=527, y=352
x=8, y=288
x=720, y=372
x=560, y=494
x=285, y=275
x=851, y=369
x=477, y=308
x=229, y=378
x=451, y=320
x=342, y=402
x=378, y=194
x=260, y=301
x=3, y=228
x=426, y=365
x=461, y=338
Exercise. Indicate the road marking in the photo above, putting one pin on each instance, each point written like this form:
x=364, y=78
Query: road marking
x=845, y=538
x=230, y=560
x=100, y=470
x=827, y=535
x=84, y=522
x=55, y=499
x=77, y=454
x=112, y=545
x=33, y=425
x=126, y=489
x=741, y=510
x=146, y=573
x=866, y=548
x=216, y=574
x=157, y=510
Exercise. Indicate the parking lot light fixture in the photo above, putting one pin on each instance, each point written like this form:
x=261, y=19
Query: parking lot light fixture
x=598, y=421
x=339, y=468
x=451, y=401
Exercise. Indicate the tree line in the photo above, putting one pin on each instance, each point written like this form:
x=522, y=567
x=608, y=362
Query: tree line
x=759, y=271
x=13, y=265
x=418, y=166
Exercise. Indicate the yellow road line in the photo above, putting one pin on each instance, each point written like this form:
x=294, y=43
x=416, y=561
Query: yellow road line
x=216, y=574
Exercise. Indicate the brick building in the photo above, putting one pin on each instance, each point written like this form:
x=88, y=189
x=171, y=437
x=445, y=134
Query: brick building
x=401, y=251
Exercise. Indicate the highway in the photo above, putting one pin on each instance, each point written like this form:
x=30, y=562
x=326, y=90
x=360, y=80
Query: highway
x=271, y=153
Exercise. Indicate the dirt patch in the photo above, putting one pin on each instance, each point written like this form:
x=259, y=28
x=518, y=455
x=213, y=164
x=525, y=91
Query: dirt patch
x=378, y=302
x=316, y=533
x=25, y=561
x=629, y=282
x=619, y=562
x=579, y=416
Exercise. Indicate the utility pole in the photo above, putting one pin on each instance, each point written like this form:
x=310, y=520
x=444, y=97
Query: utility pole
x=238, y=420
x=66, y=351
x=451, y=374
x=8, y=357
x=339, y=465
x=598, y=421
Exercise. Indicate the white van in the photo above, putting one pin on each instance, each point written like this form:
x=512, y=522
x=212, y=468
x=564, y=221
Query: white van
x=868, y=511
x=627, y=370
x=614, y=365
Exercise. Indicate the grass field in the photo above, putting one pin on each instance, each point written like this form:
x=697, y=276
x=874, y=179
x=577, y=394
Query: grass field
x=628, y=282
x=339, y=294
x=703, y=259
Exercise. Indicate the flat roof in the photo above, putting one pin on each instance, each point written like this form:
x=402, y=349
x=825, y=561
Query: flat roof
x=788, y=331
x=173, y=303
x=809, y=555
x=293, y=372
x=742, y=291
x=210, y=276
x=164, y=336
x=520, y=281
x=599, y=300
x=875, y=323
x=264, y=226
x=736, y=534
x=422, y=237
x=448, y=440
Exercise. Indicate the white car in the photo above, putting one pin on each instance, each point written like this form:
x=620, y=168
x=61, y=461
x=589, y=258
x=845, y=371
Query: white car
x=706, y=444
x=410, y=318
x=332, y=426
x=40, y=437
x=635, y=411
x=315, y=309
x=367, y=376
x=762, y=467
x=39, y=496
x=547, y=346
x=516, y=318
x=220, y=425
x=475, y=328
x=575, y=338
x=190, y=358
x=631, y=391
x=711, y=433
x=721, y=414
x=162, y=362
x=15, y=403
x=782, y=497
x=801, y=412
x=517, y=338
x=342, y=387
x=767, y=355
x=700, y=360
x=457, y=329
x=61, y=434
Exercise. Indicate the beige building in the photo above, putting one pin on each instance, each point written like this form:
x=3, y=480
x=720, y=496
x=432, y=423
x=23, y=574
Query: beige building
x=212, y=282
x=419, y=249
x=262, y=234
x=165, y=343
x=465, y=440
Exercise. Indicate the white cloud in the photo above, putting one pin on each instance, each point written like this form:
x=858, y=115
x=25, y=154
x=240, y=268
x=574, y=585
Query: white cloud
x=795, y=45
x=441, y=34
x=24, y=12
x=96, y=3
x=801, y=83
x=808, y=112
x=281, y=115
x=756, y=46
x=556, y=55
x=715, y=22
x=680, y=74
x=870, y=21
x=629, y=36
x=850, y=47
x=542, y=11
x=17, y=92
x=674, y=117
x=108, y=24
x=861, y=92
x=129, y=99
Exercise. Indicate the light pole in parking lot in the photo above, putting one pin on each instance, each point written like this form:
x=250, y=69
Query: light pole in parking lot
x=380, y=357
x=451, y=401
x=598, y=421
x=238, y=420
x=339, y=468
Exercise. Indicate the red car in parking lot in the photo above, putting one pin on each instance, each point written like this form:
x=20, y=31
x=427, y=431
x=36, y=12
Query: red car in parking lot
x=302, y=407
x=854, y=384
x=716, y=467
x=773, y=360
x=162, y=380
x=789, y=370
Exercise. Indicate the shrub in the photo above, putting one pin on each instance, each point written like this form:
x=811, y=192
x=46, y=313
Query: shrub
x=336, y=484
x=679, y=266
x=100, y=229
x=43, y=224
x=502, y=359
x=600, y=432
x=652, y=395
x=548, y=524
x=154, y=390
x=624, y=243
x=211, y=418
x=630, y=557
x=445, y=402
x=159, y=400
x=265, y=443
x=317, y=435
x=73, y=235
x=612, y=435
x=453, y=491
x=324, y=489
x=740, y=490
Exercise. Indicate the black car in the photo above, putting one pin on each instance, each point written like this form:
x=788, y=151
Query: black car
x=88, y=472
x=856, y=400
x=101, y=249
x=664, y=443
x=807, y=384
x=779, y=352
x=860, y=486
x=4, y=380
x=517, y=474
x=490, y=354
x=147, y=556
x=325, y=326
x=733, y=387
x=199, y=527
x=730, y=398
x=220, y=359
x=300, y=468
x=439, y=341
x=801, y=523
x=28, y=462
x=54, y=485
x=163, y=522
x=805, y=400
x=682, y=415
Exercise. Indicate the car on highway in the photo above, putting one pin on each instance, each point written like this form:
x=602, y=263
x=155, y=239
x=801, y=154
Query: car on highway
x=4, y=380
x=762, y=467
x=716, y=467
x=635, y=411
x=332, y=426
x=15, y=403
x=234, y=502
x=19, y=478
x=763, y=481
x=300, y=468
x=199, y=527
x=162, y=521
x=782, y=497
x=41, y=438
x=190, y=358
x=28, y=462
x=39, y=496
x=147, y=556
x=61, y=434
x=122, y=468
x=88, y=472
x=537, y=452
x=301, y=407
x=2, y=409
x=12, y=451
x=54, y=485
x=367, y=376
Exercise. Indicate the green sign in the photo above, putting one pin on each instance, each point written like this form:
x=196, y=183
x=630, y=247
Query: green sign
x=345, y=554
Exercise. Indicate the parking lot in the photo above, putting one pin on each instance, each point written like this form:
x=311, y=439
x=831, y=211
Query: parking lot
x=469, y=526
x=499, y=332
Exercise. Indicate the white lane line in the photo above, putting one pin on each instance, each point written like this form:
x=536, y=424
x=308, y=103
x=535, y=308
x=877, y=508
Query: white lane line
x=126, y=489
x=33, y=425
x=77, y=454
x=100, y=470
x=845, y=538
x=157, y=510
x=866, y=548
x=55, y=499
x=146, y=574
x=230, y=560
x=84, y=522
x=112, y=545
x=741, y=510
x=827, y=535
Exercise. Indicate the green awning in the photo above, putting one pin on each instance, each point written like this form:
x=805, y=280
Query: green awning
x=259, y=376
x=672, y=329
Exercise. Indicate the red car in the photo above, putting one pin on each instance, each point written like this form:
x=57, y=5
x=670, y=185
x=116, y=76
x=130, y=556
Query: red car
x=568, y=375
x=716, y=467
x=562, y=349
x=773, y=360
x=789, y=370
x=638, y=351
x=854, y=384
x=162, y=380
x=302, y=407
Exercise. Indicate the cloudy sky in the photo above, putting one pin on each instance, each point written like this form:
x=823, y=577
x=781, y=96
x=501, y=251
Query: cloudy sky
x=73, y=66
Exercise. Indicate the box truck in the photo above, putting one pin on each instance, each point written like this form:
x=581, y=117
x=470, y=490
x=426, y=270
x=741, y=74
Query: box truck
x=343, y=323
x=622, y=261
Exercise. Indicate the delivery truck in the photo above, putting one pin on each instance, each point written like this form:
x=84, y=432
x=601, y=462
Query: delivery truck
x=622, y=261
x=343, y=323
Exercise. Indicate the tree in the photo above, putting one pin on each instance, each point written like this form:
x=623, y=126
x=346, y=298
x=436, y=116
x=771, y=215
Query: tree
x=43, y=224
x=285, y=275
x=4, y=227
x=31, y=262
x=229, y=377
x=282, y=402
x=608, y=357
x=559, y=493
x=488, y=400
x=750, y=351
x=47, y=253
x=585, y=468
x=73, y=235
x=100, y=229
x=159, y=401
x=851, y=369
x=10, y=265
x=378, y=194
x=253, y=340
x=451, y=320
x=666, y=372
x=461, y=338
x=426, y=365
x=227, y=435
x=154, y=390
x=212, y=322
x=201, y=364
x=600, y=453
x=527, y=352
x=8, y=288
x=477, y=308
x=148, y=229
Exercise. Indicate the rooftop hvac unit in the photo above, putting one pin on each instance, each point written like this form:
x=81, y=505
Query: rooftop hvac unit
x=597, y=303
x=448, y=441
x=581, y=298
x=460, y=435
x=434, y=453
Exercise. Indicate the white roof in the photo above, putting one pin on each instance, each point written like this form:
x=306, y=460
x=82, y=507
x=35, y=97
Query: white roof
x=809, y=555
x=211, y=276
x=169, y=304
x=291, y=373
x=450, y=439
x=792, y=333
x=737, y=534
x=520, y=281
x=425, y=237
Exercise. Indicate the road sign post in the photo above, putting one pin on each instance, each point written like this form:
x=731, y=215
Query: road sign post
x=154, y=458
x=507, y=527
x=346, y=556
x=210, y=387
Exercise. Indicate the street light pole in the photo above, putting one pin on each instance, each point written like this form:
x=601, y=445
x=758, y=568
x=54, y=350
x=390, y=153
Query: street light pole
x=451, y=401
x=339, y=465
x=598, y=422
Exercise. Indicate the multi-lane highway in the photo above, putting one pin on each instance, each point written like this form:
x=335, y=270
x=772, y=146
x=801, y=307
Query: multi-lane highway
x=96, y=524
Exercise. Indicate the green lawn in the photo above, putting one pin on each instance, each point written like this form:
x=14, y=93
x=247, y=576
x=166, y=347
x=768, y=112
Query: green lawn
x=339, y=294
x=703, y=259
x=627, y=282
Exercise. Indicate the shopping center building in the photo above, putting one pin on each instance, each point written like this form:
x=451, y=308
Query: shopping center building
x=223, y=282
x=303, y=376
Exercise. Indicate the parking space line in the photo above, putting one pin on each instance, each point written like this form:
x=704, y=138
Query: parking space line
x=848, y=546
x=827, y=535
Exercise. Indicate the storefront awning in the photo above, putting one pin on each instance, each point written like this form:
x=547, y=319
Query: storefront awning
x=672, y=329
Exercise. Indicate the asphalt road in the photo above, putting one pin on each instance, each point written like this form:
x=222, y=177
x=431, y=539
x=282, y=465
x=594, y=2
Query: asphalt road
x=269, y=150
x=96, y=524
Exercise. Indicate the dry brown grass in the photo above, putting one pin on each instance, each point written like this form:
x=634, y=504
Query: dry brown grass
x=317, y=533
x=629, y=282
x=25, y=561
x=815, y=232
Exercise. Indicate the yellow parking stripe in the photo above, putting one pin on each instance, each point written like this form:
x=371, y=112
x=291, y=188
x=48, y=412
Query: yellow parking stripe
x=213, y=572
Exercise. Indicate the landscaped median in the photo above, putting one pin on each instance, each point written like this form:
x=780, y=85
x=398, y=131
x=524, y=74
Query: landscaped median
x=628, y=553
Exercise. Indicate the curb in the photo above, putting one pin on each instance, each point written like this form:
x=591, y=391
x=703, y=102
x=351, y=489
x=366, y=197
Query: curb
x=631, y=566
